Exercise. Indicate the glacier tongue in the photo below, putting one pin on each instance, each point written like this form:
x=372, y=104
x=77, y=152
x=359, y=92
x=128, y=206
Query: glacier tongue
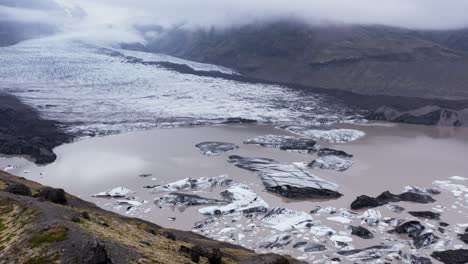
x=96, y=89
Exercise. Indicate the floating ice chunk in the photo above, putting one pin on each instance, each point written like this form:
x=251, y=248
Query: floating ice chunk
x=129, y=202
x=287, y=179
x=283, y=219
x=117, y=192
x=333, y=160
x=193, y=184
x=459, y=178
x=183, y=199
x=332, y=135
x=455, y=189
x=215, y=148
x=339, y=238
x=242, y=200
x=371, y=217
x=275, y=241
x=285, y=143
x=340, y=219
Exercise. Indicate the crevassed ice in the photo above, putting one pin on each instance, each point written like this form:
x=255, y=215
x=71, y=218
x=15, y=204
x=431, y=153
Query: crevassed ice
x=81, y=85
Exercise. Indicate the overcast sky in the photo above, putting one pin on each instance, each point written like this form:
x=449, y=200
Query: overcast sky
x=427, y=14
x=108, y=18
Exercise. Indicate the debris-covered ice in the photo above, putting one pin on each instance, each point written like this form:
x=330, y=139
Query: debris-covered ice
x=285, y=143
x=193, y=184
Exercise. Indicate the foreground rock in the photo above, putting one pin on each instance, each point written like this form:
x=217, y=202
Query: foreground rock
x=215, y=148
x=24, y=132
x=458, y=256
x=287, y=179
x=332, y=160
x=331, y=135
x=183, y=199
x=80, y=232
x=287, y=143
x=188, y=184
x=241, y=200
x=365, y=201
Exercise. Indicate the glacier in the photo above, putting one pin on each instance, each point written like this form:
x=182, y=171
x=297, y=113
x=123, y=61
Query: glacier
x=95, y=89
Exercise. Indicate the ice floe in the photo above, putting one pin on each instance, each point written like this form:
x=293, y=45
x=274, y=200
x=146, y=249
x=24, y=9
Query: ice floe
x=285, y=143
x=215, y=148
x=117, y=192
x=287, y=179
x=332, y=159
x=192, y=184
x=241, y=200
x=331, y=135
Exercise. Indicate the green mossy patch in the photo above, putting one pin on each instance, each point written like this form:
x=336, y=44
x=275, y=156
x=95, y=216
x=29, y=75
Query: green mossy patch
x=54, y=234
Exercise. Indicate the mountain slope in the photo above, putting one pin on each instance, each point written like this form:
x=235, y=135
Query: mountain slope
x=362, y=59
x=39, y=224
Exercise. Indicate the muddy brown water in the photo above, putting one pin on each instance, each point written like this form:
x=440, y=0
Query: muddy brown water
x=389, y=157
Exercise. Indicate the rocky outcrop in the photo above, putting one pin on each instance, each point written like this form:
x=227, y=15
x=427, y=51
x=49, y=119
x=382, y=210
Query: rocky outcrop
x=24, y=132
x=287, y=180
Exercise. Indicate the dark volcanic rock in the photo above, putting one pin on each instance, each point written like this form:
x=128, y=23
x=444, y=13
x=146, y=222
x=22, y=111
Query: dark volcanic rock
x=458, y=256
x=95, y=254
x=361, y=232
x=285, y=143
x=18, y=188
x=268, y=259
x=464, y=238
x=309, y=247
x=416, y=198
x=412, y=228
x=365, y=201
x=53, y=195
x=183, y=199
x=215, y=148
x=425, y=214
x=24, y=132
x=239, y=120
x=287, y=179
x=425, y=240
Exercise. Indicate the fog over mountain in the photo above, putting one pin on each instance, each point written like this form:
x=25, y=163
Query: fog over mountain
x=120, y=16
